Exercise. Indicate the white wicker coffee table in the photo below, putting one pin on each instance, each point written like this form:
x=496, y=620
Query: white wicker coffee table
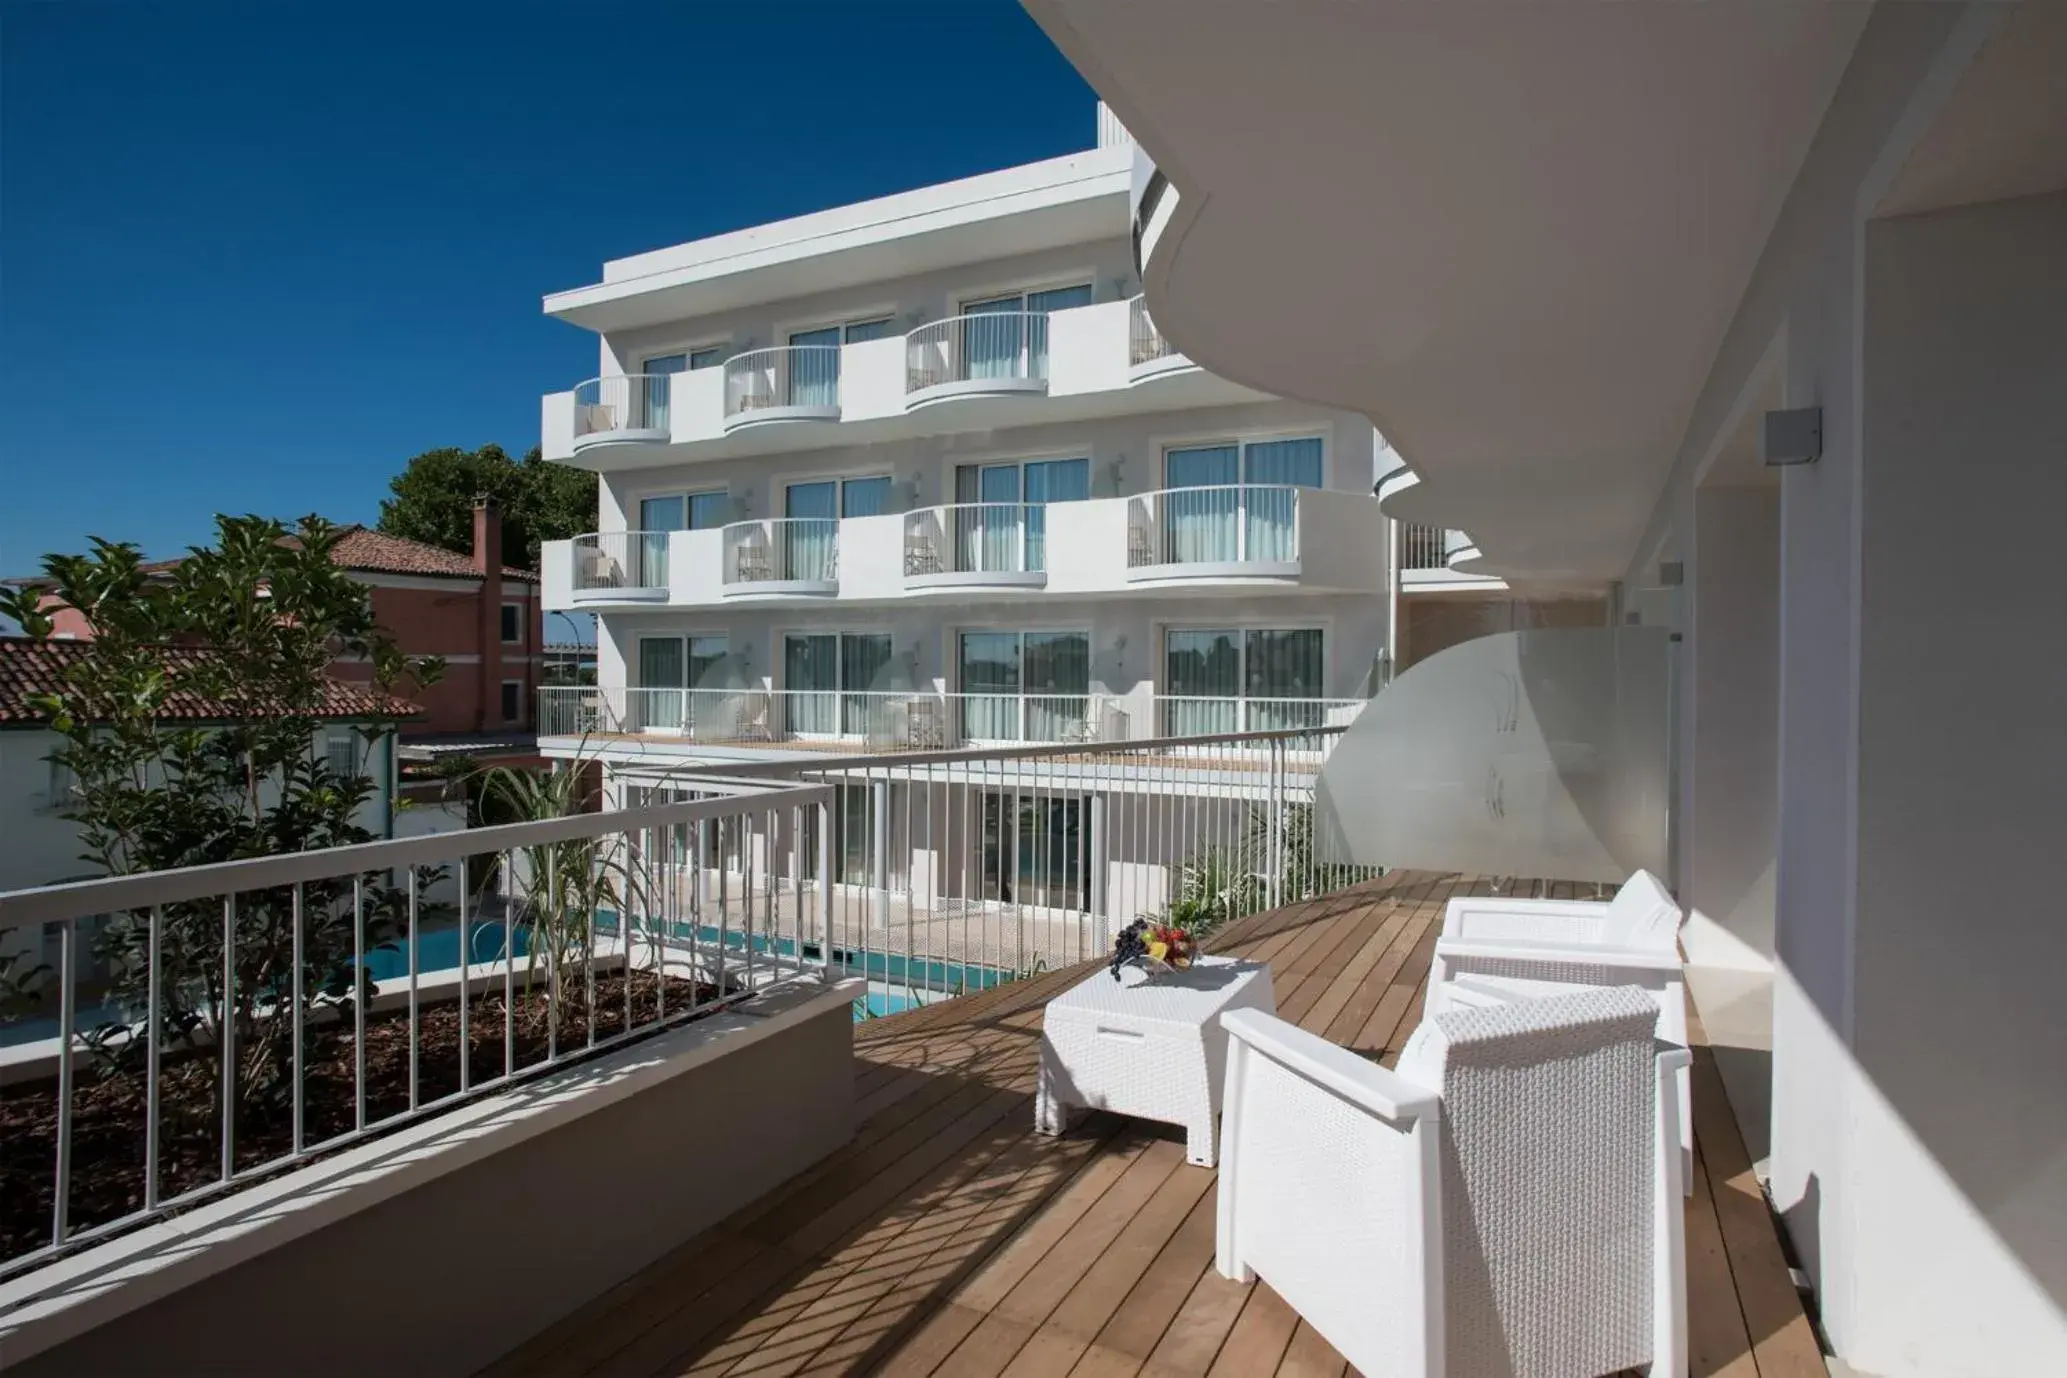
x=1153, y=1050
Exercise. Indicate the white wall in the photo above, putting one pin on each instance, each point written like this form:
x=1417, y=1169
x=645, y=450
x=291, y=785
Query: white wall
x=37, y=847
x=1730, y=775
x=1958, y=1139
x=1919, y=1122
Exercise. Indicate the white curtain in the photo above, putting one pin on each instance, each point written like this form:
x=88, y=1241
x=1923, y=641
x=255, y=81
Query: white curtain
x=1270, y=470
x=806, y=543
x=1201, y=510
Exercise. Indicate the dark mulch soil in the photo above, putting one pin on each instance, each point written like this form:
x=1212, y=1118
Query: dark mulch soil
x=108, y=1109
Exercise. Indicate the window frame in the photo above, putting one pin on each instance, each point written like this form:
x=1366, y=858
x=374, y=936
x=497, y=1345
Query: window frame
x=518, y=607
x=509, y=698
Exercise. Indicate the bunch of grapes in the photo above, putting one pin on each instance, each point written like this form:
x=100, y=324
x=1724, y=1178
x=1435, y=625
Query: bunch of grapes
x=1129, y=945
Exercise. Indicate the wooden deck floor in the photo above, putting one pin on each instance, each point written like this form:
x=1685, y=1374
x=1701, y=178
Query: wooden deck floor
x=948, y=1239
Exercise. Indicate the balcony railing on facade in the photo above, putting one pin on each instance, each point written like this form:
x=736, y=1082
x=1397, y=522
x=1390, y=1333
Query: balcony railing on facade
x=786, y=383
x=920, y=719
x=1430, y=547
x=1149, y=355
x=620, y=566
x=977, y=545
x=982, y=355
x=1238, y=528
x=782, y=555
x=622, y=409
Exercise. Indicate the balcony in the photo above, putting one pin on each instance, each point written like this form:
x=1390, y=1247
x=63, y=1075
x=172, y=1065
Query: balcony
x=1242, y=532
x=964, y=1242
x=628, y=567
x=782, y=557
x=625, y=410
x=1255, y=539
x=1149, y=354
x=1018, y=368
x=787, y=384
x=994, y=354
x=976, y=545
x=918, y=719
x=1429, y=560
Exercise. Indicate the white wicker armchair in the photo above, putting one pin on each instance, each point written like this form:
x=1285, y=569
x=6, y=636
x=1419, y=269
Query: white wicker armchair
x=1531, y=948
x=1503, y=1204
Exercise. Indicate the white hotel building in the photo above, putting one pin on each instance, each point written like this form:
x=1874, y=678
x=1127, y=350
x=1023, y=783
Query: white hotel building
x=920, y=473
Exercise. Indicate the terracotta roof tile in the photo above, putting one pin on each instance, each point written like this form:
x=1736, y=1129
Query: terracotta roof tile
x=29, y=667
x=361, y=547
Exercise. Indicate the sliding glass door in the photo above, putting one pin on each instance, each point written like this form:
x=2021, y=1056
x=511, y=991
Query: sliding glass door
x=1002, y=522
x=1023, y=686
x=670, y=667
x=1015, y=345
x=1241, y=680
x=806, y=543
x=1037, y=849
x=833, y=681
x=1234, y=502
x=814, y=368
x=650, y=391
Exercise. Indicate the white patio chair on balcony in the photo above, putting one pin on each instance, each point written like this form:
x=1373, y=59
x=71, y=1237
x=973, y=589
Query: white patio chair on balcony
x=1531, y=948
x=1506, y=1203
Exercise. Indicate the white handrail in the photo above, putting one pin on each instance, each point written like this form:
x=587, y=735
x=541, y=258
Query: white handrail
x=1225, y=524
x=1001, y=345
x=774, y=549
x=621, y=402
x=782, y=376
x=976, y=537
x=621, y=560
x=1145, y=343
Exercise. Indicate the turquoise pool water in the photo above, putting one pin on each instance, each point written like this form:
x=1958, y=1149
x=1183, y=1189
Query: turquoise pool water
x=438, y=950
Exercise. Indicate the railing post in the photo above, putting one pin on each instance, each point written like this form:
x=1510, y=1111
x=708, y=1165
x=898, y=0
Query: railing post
x=879, y=850
x=1276, y=822
x=825, y=883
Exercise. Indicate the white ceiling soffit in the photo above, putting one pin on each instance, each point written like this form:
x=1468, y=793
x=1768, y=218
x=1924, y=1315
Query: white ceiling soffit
x=1512, y=235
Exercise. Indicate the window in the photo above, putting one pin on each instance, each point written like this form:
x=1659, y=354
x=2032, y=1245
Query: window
x=62, y=789
x=1016, y=344
x=512, y=623
x=833, y=680
x=341, y=751
x=1238, y=504
x=1036, y=849
x=1023, y=686
x=512, y=700
x=710, y=356
x=703, y=511
x=1000, y=520
x=1242, y=680
x=682, y=682
x=865, y=497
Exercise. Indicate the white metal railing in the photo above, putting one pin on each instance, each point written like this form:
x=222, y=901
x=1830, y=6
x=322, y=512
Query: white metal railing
x=955, y=870
x=976, y=537
x=1236, y=524
x=782, y=377
x=1423, y=548
x=292, y=1005
x=996, y=345
x=777, y=549
x=921, y=719
x=627, y=402
x=1145, y=343
x=620, y=560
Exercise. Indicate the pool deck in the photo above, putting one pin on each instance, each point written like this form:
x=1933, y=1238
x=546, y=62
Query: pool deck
x=949, y=1239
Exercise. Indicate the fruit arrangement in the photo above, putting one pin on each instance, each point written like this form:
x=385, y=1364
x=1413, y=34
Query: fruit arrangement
x=1153, y=946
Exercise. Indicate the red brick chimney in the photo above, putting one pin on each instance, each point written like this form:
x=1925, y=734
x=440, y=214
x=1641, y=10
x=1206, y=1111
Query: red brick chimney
x=488, y=563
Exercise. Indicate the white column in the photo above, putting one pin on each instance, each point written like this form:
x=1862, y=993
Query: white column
x=1730, y=662
x=879, y=850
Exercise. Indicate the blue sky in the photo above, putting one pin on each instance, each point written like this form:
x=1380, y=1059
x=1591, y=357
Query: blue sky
x=253, y=256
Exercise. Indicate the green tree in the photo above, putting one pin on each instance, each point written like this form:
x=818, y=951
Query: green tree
x=249, y=625
x=434, y=498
